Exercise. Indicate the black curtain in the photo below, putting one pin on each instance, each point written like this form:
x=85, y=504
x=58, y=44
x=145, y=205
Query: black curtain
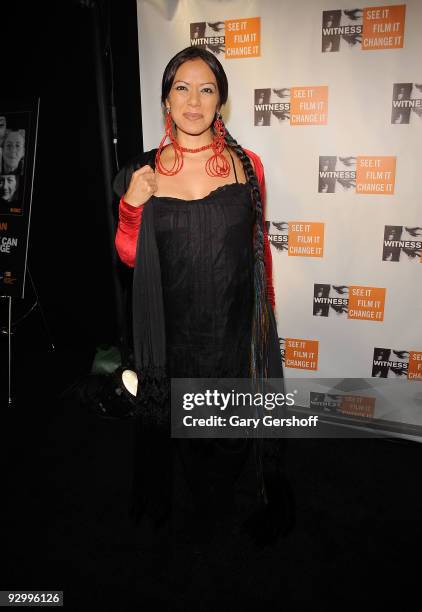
x=47, y=50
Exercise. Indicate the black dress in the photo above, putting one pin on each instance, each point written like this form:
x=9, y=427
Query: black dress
x=205, y=248
x=206, y=260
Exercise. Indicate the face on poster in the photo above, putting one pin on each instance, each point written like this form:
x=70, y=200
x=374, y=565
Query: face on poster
x=14, y=129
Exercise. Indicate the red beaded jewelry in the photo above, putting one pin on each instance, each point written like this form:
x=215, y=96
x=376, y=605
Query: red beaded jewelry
x=216, y=166
x=178, y=155
x=204, y=148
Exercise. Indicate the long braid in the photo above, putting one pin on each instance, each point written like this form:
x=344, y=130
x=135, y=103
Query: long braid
x=260, y=323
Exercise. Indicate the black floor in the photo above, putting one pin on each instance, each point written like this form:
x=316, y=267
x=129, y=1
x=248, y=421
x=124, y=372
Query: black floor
x=66, y=484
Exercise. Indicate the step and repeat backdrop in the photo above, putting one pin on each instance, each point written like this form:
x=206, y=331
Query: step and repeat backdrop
x=329, y=95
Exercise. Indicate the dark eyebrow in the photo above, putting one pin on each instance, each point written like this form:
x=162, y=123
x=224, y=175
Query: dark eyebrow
x=201, y=84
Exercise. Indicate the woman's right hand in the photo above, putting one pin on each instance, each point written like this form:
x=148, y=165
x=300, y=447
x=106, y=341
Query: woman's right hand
x=141, y=187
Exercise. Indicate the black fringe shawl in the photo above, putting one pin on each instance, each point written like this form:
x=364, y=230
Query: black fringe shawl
x=148, y=309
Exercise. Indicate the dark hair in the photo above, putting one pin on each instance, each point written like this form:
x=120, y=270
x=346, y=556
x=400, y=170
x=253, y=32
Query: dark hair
x=260, y=323
x=192, y=53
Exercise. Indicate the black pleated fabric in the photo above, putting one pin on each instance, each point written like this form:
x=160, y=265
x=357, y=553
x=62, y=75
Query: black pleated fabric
x=206, y=261
x=148, y=318
x=198, y=257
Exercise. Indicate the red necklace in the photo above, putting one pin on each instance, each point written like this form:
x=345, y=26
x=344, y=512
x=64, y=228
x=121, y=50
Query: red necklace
x=217, y=165
x=204, y=148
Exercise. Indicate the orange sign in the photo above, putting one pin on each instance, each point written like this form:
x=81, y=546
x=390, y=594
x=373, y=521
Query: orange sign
x=309, y=105
x=357, y=405
x=414, y=371
x=366, y=303
x=306, y=239
x=243, y=37
x=375, y=175
x=383, y=27
x=301, y=354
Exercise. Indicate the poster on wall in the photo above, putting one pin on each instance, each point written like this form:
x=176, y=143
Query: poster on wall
x=18, y=139
x=330, y=98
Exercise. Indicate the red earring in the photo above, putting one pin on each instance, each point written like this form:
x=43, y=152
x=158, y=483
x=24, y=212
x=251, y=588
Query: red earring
x=178, y=155
x=217, y=165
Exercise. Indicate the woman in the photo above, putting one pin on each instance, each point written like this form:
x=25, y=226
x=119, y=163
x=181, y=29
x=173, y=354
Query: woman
x=191, y=221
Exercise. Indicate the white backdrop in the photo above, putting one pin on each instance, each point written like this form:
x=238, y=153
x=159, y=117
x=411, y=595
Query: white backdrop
x=352, y=307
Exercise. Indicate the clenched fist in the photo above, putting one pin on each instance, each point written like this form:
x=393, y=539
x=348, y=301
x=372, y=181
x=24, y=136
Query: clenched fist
x=141, y=187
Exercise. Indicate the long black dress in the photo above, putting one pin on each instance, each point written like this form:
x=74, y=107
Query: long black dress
x=205, y=249
x=206, y=259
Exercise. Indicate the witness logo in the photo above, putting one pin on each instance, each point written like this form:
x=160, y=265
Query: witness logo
x=330, y=299
x=390, y=363
x=341, y=29
x=361, y=174
x=299, y=353
x=272, y=105
x=294, y=105
x=209, y=36
x=354, y=302
x=233, y=37
x=407, y=102
x=336, y=174
x=402, y=243
x=371, y=28
x=345, y=405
